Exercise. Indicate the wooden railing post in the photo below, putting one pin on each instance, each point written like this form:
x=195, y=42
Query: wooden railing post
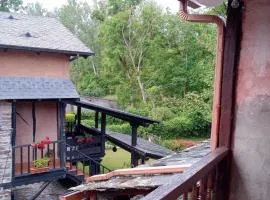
x=79, y=115
x=62, y=145
x=96, y=119
x=103, y=131
x=134, y=135
x=13, y=139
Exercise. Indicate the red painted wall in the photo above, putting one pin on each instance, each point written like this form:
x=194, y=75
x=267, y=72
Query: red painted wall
x=22, y=63
x=250, y=178
x=31, y=64
x=46, y=123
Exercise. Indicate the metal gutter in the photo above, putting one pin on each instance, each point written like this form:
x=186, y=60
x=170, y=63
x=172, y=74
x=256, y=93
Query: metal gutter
x=183, y=13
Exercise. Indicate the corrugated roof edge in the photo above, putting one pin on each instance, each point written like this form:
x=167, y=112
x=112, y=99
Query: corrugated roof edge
x=35, y=49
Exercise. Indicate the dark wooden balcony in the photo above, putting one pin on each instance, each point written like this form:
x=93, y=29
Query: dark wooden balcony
x=27, y=153
x=100, y=133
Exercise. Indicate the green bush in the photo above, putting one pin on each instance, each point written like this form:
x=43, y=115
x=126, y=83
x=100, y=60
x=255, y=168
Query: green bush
x=70, y=117
x=170, y=144
x=120, y=128
x=40, y=163
x=88, y=122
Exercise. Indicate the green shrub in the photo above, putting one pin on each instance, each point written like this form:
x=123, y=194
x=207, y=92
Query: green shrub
x=70, y=117
x=120, y=128
x=40, y=163
x=88, y=122
x=170, y=144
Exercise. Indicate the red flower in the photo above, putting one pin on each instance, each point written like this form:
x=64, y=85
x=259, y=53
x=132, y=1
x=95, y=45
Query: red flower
x=46, y=141
x=41, y=146
x=87, y=140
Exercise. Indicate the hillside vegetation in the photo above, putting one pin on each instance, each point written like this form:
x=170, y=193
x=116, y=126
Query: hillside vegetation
x=149, y=61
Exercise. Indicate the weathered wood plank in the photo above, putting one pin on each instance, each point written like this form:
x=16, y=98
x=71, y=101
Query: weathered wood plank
x=231, y=57
x=182, y=183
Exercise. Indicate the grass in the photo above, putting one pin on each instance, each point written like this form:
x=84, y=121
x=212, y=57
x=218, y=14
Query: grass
x=112, y=160
x=116, y=160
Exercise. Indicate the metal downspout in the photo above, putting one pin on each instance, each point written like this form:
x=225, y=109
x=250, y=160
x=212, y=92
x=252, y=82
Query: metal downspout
x=183, y=13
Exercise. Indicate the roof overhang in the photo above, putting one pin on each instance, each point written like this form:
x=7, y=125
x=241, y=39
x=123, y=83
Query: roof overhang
x=36, y=88
x=45, y=50
x=208, y=3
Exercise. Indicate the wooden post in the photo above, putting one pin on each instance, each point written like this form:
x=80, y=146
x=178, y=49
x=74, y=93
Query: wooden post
x=79, y=115
x=230, y=65
x=13, y=138
x=34, y=120
x=134, y=135
x=62, y=145
x=231, y=57
x=96, y=119
x=103, y=131
x=94, y=167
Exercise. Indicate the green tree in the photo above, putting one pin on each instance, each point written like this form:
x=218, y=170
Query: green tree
x=10, y=5
x=35, y=9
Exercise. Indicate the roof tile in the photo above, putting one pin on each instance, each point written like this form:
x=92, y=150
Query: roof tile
x=36, y=88
x=38, y=33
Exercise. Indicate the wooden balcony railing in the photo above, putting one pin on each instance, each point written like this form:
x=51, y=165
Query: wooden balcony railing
x=26, y=154
x=89, y=166
x=202, y=181
x=100, y=129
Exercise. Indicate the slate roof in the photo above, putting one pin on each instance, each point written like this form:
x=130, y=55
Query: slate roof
x=12, y=88
x=42, y=34
x=187, y=157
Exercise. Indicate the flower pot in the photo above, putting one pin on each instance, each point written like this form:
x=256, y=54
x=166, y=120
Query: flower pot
x=39, y=170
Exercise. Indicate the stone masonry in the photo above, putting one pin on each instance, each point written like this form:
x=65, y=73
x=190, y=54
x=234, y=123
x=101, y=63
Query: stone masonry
x=5, y=148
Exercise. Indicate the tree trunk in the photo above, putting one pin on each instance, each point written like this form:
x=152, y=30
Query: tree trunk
x=141, y=88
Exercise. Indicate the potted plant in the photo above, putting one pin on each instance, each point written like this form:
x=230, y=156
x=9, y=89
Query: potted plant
x=40, y=166
x=87, y=138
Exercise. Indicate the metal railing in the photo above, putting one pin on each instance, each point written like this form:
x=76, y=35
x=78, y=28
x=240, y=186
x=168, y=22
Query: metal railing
x=200, y=182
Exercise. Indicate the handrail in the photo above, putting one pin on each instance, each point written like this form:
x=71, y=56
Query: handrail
x=89, y=158
x=182, y=183
x=132, y=118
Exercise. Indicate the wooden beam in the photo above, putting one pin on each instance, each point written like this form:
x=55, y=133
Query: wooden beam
x=142, y=121
x=13, y=138
x=62, y=107
x=231, y=58
x=134, y=134
x=125, y=146
x=79, y=115
x=34, y=121
x=96, y=119
x=103, y=131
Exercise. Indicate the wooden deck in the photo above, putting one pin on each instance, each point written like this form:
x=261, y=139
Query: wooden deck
x=150, y=149
x=19, y=172
x=72, y=170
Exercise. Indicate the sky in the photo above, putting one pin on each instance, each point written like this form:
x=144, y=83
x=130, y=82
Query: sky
x=51, y=4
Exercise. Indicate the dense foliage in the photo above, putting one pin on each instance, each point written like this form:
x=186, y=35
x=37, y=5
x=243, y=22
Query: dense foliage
x=10, y=5
x=147, y=59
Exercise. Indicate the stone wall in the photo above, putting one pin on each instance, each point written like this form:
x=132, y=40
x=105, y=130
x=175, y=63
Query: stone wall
x=5, y=147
